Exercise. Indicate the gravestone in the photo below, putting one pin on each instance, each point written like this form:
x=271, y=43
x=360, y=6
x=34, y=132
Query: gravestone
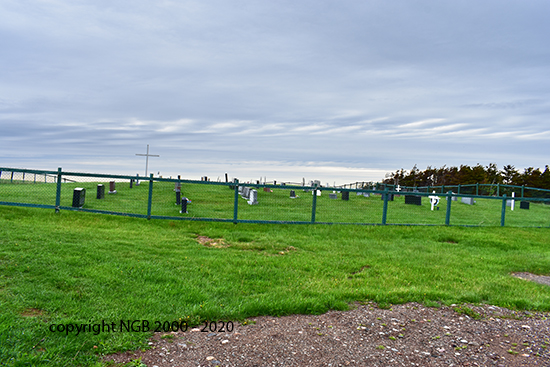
x=178, y=197
x=112, y=187
x=183, y=205
x=469, y=201
x=100, y=191
x=413, y=199
x=79, y=196
x=366, y=194
x=345, y=195
x=132, y=183
x=332, y=196
x=240, y=190
x=266, y=189
x=316, y=191
x=524, y=205
x=253, y=199
x=434, y=201
x=292, y=194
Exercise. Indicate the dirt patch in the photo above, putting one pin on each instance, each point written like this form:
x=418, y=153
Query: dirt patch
x=32, y=312
x=403, y=335
x=542, y=279
x=211, y=242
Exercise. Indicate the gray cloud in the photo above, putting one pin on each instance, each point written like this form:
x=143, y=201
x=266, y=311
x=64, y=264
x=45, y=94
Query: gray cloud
x=349, y=88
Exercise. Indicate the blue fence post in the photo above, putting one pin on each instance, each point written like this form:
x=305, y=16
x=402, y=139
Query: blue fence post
x=385, y=210
x=503, y=213
x=522, y=190
x=150, y=201
x=236, y=201
x=314, y=205
x=58, y=191
x=448, y=213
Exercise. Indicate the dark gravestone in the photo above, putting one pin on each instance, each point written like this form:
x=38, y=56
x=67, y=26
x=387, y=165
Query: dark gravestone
x=332, y=196
x=112, y=187
x=266, y=189
x=178, y=197
x=345, y=195
x=131, y=183
x=292, y=194
x=183, y=206
x=100, y=191
x=524, y=205
x=79, y=196
x=413, y=199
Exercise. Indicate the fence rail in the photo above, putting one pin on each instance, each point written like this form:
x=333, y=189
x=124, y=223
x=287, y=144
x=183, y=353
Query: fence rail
x=180, y=199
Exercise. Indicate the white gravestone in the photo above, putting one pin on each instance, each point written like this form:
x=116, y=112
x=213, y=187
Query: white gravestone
x=469, y=201
x=253, y=199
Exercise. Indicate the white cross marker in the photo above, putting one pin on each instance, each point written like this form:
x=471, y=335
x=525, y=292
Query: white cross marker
x=434, y=200
x=147, y=159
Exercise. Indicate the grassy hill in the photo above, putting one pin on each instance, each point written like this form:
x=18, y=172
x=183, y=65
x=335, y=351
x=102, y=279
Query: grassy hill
x=81, y=268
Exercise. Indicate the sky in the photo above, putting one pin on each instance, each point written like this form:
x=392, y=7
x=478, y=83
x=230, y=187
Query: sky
x=336, y=91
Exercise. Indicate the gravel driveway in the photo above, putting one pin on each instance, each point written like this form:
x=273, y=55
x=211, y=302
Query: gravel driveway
x=405, y=335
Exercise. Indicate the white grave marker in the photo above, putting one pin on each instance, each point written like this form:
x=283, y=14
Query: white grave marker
x=434, y=200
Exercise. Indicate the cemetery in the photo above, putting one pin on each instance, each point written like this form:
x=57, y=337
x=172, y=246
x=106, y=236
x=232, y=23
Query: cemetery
x=161, y=198
x=81, y=266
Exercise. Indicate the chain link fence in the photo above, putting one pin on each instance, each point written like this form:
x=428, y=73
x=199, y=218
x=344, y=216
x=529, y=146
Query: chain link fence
x=168, y=198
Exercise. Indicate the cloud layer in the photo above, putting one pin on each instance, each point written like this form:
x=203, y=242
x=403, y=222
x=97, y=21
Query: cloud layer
x=340, y=91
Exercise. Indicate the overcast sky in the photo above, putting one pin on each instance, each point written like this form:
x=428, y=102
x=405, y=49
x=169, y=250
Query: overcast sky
x=340, y=91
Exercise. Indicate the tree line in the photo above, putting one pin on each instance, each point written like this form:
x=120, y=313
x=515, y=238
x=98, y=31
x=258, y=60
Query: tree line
x=464, y=175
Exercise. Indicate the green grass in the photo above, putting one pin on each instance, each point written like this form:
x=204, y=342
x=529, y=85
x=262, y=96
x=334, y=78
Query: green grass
x=216, y=201
x=84, y=268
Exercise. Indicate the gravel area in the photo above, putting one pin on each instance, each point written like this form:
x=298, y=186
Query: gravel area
x=404, y=335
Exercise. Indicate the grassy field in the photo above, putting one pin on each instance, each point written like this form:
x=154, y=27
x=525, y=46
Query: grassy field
x=83, y=268
x=215, y=201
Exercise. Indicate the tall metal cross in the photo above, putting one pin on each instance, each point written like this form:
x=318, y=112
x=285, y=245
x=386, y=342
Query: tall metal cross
x=147, y=159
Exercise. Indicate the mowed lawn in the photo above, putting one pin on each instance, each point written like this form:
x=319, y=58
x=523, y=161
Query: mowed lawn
x=82, y=268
